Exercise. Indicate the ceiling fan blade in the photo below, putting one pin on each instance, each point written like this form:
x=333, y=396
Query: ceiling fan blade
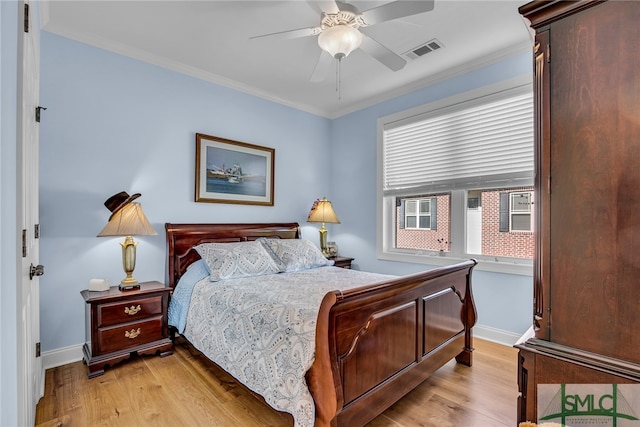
x=322, y=67
x=395, y=10
x=291, y=34
x=389, y=58
x=326, y=6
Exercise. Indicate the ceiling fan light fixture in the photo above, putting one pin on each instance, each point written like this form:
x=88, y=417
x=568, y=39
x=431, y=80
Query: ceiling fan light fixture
x=340, y=40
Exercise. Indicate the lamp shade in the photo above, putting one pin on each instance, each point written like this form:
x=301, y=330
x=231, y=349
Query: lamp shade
x=340, y=40
x=128, y=221
x=322, y=211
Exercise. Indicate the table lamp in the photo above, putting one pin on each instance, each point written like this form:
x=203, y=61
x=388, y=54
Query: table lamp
x=127, y=219
x=322, y=211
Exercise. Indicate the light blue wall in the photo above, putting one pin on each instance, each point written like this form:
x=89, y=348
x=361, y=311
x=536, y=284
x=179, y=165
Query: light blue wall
x=112, y=124
x=115, y=124
x=504, y=300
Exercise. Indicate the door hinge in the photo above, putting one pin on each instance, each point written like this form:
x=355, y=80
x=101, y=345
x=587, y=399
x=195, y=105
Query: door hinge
x=24, y=243
x=26, y=17
x=38, y=110
x=36, y=231
x=37, y=349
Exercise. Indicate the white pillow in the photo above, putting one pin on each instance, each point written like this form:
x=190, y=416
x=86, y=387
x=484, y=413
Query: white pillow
x=237, y=259
x=295, y=254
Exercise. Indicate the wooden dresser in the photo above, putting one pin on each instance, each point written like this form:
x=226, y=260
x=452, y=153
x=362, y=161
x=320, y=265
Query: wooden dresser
x=586, y=324
x=120, y=323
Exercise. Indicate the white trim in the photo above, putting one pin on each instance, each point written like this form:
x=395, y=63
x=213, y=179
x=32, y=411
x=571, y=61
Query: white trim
x=448, y=74
x=499, y=336
x=61, y=356
x=45, y=12
x=144, y=56
x=161, y=61
x=519, y=267
x=72, y=354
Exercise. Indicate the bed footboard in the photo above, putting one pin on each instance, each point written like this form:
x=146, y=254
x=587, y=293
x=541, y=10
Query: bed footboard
x=376, y=343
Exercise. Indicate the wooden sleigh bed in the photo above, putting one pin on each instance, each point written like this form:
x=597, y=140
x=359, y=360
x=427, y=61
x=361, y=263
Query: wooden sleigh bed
x=373, y=344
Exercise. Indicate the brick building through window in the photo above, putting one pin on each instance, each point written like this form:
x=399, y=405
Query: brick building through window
x=499, y=222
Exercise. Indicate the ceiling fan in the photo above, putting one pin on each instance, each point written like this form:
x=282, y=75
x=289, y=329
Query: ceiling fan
x=343, y=28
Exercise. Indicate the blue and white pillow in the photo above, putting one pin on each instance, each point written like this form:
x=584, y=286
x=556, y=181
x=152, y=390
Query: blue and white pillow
x=295, y=254
x=237, y=259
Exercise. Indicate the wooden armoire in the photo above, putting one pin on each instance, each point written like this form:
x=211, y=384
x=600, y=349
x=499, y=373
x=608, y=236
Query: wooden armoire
x=586, y=314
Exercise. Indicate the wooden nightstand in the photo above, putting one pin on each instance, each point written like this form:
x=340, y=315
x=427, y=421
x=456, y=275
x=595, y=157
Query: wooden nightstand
x=343, y=262
x=120, y=323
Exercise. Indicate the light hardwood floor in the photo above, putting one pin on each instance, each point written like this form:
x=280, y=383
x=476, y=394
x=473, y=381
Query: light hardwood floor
x=185, y=389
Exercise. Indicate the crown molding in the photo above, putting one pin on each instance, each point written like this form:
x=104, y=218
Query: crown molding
x=163, y=62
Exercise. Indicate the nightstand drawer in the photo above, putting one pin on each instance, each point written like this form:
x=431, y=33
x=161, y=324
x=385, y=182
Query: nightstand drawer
x=129, y=311
x=130, y=334
x=121, y=323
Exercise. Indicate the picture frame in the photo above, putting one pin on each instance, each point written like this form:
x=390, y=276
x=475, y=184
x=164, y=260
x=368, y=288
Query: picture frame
x=229, y=171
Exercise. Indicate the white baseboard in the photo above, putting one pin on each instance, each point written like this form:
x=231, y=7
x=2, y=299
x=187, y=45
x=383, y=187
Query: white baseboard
x=495, y=335
x=61, y=356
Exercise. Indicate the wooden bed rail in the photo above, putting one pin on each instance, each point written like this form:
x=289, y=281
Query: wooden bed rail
x=376, y=343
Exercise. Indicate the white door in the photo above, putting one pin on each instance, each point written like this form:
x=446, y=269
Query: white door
x=30, y=374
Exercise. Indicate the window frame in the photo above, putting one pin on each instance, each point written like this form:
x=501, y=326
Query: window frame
x=419, y=214
x=385, y=221
x=513, y=212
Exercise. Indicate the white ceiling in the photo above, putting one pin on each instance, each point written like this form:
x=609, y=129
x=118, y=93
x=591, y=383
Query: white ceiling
x=211, y=40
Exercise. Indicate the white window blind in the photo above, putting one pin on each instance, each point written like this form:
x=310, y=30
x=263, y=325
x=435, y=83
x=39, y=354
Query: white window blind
x=486, y=142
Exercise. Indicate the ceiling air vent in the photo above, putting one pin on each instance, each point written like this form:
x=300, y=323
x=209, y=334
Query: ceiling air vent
x=423, y=49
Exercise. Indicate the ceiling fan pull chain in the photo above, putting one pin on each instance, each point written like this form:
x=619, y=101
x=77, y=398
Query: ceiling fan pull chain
x=339, y=78
x=337, y=73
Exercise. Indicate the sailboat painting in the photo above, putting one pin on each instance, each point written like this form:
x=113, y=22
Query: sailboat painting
x=230, y=171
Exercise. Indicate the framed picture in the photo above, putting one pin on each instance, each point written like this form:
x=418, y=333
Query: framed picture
x=230, y=171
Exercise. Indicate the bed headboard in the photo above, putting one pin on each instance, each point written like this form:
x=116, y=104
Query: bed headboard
x=181, y=238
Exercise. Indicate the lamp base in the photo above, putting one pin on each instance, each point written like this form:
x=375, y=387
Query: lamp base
x=128, y=284
x=128, y=264
x=323, y=240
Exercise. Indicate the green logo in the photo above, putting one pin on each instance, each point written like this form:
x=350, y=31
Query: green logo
x=587, y=406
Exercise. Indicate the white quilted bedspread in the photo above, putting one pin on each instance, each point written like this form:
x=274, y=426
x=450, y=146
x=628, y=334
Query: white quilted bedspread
x=262, y=330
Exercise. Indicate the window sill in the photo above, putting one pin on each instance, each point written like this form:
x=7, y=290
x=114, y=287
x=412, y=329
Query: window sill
x=523, y=268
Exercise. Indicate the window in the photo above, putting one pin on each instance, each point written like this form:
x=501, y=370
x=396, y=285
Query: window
x=496, y=229
x=418, y=226
x=443, y=170
x=519, y=212
x=417, y=213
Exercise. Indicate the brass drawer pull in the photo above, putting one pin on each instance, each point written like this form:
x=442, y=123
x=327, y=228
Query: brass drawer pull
x=132, y=310
x=132, y=333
